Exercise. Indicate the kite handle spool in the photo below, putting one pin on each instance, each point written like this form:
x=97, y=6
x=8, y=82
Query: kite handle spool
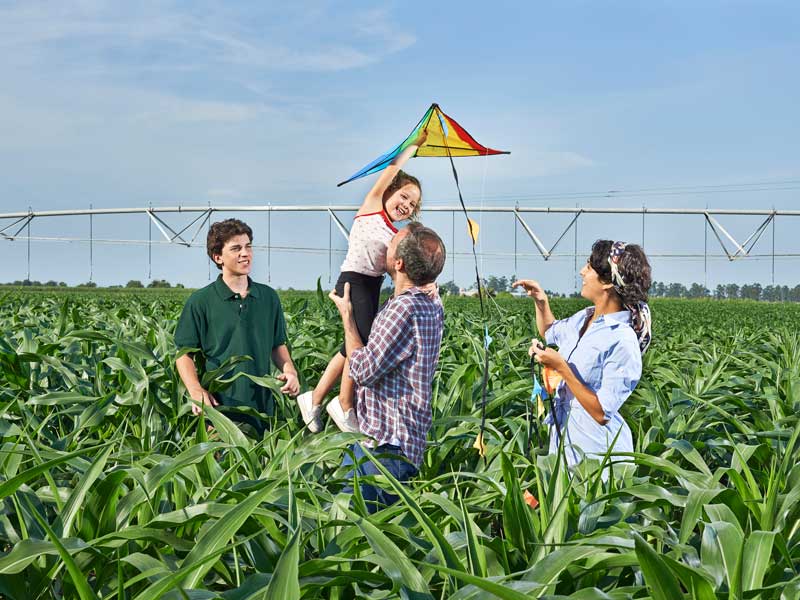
x=550, y=380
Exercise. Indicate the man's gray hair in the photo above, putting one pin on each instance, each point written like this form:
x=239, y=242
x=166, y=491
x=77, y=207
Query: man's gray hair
x=423, y=254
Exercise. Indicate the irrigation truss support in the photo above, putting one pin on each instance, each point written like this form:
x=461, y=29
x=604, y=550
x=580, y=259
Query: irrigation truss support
x=17, y=226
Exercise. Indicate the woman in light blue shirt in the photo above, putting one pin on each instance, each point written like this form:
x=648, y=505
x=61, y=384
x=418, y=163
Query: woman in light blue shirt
x=600, y=349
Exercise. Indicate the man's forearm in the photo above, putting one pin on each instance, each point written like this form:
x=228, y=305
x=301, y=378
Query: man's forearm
x=352, y=339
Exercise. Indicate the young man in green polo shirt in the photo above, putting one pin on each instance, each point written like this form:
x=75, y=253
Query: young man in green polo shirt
x=234, y=316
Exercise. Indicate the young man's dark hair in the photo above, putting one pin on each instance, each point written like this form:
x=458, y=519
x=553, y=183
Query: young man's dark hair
x=423, y=254
x=220, y=232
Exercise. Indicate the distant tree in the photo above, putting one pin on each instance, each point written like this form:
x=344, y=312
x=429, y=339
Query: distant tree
x=134, y=283
x=731, y=291
x=658, y=289
x=697, y=290
x=794, y=294
x=751, y=291
x=181, y=286
x=497, y=284
x=719, y=292
x=448, y=288
x=677, y=290
x=88, y=284
x=387, y=289
x=159, y=283
x=51, y=283
x=62, y=284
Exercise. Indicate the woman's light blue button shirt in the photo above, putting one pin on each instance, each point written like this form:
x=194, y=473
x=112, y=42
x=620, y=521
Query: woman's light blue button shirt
x=608, y=361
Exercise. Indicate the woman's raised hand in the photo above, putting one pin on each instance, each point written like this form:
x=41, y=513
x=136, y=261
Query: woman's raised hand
x=532, y=288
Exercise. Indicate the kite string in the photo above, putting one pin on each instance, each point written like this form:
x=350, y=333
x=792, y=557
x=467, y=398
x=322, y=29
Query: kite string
x=483, y=196
x=486, y=339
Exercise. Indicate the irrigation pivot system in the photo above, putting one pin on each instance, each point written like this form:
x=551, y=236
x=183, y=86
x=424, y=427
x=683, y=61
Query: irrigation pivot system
x=16, y=227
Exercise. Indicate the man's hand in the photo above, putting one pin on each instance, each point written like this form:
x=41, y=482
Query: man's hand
x=352, y=339
x=292, y=386
x=532, y=288
x=342, y=302
x=201, y=398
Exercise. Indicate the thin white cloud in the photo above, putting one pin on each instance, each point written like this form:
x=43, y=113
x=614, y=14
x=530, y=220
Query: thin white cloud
x=376, y=24
x=148, y=36
x=170, y=108
x=227, y=194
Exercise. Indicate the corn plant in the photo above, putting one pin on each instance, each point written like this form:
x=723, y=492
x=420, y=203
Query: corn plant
x=111, y=489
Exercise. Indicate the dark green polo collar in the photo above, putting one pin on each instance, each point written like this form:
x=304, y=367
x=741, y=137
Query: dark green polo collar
x=227, y=293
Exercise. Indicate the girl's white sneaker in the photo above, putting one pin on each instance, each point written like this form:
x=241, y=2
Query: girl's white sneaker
x=310, y=412
x=345, y=420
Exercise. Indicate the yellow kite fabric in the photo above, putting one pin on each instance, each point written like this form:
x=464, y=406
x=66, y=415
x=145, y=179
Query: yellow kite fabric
x=445, y=138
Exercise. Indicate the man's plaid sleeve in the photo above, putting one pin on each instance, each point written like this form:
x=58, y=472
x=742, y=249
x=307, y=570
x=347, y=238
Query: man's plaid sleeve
x=388, y=345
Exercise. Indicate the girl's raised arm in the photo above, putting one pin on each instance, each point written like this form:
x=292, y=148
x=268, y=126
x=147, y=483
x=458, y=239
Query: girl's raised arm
x=373, y=201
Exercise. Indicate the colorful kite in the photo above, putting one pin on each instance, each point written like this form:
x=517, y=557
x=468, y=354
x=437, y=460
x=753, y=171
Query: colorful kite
x=445, y=138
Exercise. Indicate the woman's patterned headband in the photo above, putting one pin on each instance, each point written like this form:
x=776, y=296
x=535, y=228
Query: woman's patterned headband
x=617, y=250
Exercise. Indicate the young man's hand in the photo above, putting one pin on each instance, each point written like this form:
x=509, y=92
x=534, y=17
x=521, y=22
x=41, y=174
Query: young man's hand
x=292, y=386
x=342, y=302
x=201, y=398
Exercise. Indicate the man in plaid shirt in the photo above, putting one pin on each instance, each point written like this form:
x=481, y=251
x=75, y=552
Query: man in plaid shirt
x=394, y=372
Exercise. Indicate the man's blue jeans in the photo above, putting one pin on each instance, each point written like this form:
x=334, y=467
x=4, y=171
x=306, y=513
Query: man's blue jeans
x=397, y=465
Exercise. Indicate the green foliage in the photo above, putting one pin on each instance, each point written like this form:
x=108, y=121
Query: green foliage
x=112, y=489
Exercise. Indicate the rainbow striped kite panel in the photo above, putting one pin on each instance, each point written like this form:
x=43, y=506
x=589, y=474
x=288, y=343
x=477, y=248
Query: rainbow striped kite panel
x=445, y=138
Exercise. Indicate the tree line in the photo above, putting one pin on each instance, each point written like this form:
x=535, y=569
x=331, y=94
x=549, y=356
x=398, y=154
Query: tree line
x=661, y=289
x=133, y=283
x=495, y=284
x=728, y=291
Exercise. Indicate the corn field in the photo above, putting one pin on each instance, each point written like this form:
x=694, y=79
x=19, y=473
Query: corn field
x=111, y=489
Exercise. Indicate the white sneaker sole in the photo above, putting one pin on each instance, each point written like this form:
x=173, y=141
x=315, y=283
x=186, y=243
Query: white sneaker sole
x=307, y=412
x=334, y=409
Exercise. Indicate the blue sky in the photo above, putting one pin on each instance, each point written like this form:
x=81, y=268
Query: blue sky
x=163, y=103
